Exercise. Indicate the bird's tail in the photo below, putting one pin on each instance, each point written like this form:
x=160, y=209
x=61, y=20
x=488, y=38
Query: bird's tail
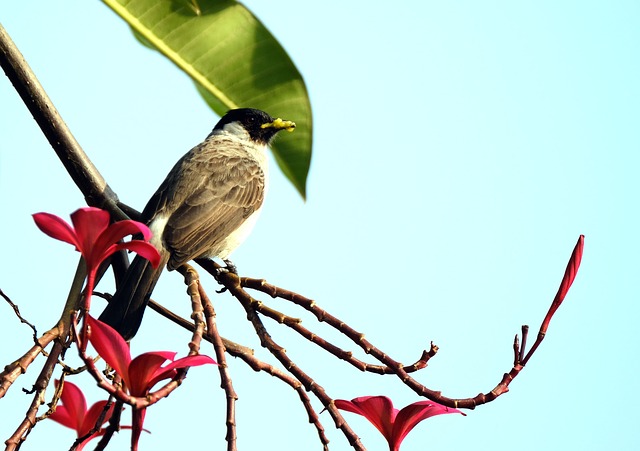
x=126, y=308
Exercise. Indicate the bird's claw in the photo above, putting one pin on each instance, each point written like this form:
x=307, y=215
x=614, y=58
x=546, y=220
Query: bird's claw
x=229, y=268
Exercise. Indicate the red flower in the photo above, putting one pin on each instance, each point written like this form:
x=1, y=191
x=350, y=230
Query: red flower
x=140, y=374
x=394, y=424
x=72, y=412
x=95, y=238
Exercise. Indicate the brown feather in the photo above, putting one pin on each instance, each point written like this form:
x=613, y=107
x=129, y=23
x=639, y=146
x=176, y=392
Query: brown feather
x=211, y=192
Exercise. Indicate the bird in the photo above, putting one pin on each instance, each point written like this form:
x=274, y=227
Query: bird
x=204, y=208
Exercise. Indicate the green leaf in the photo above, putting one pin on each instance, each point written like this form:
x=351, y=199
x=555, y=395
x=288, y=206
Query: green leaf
x=234, y=62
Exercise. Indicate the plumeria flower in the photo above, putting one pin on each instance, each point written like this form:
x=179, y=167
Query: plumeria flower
x=96, y=239
x=140, y=374
x=394, y=424
x=72, y=412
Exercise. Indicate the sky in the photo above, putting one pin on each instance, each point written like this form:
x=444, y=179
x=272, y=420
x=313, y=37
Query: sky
x=459, y=152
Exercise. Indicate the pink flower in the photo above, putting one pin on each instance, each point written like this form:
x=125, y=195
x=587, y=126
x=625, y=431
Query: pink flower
x=394, y=424
x=72, y=412
x=140, y=374
x=96, y=239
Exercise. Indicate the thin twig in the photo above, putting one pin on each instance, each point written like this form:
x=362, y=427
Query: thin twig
x=358, y=338
x=310, y=385
x=192, y=281
x=114, y=421
x=258, y=365
x=18, y=367
x=96, y=427
x=20, y=317
x=232, y=283
x=523, y=346
x=114, y=426
x=296, y=324
x=188, y=325
x=40, y=387
x=225, y=377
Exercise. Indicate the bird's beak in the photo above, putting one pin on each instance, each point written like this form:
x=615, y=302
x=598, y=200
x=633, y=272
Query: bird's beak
x=279, y=124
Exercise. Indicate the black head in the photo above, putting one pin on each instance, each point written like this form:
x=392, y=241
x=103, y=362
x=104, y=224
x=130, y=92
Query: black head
x=259, y=125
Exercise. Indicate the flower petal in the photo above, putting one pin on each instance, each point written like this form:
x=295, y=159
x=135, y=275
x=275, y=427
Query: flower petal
x=89, y=223
x=168, y=371
x=82, y=444
x=137, y=423
x=146, y=250
x=411, y=415
x=143, y=369
x=569, y=274
x=93, y=415
x=378, y=410
x=74, y=407
x=57, y=228
x=143, y=249
x=118, y=230
x=61, y=415
x=111, y=347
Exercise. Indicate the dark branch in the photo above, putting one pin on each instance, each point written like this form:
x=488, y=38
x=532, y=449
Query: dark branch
x=84, y=174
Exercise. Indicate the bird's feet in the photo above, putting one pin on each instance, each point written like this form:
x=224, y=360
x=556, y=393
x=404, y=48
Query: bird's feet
x=228, y=268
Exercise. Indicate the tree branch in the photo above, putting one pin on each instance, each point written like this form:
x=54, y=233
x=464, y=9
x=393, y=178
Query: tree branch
x=84, y=174
x=40, y=388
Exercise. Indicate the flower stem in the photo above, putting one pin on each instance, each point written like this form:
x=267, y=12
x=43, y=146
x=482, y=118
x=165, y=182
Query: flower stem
x=74, y=299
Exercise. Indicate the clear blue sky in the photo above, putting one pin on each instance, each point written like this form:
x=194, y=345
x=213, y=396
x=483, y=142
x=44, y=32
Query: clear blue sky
x=459, y=152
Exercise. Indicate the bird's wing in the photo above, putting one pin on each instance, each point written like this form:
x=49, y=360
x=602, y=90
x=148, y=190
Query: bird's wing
x=224, y=189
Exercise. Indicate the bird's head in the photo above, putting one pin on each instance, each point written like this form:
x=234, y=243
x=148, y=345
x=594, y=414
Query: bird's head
x=260, y=127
